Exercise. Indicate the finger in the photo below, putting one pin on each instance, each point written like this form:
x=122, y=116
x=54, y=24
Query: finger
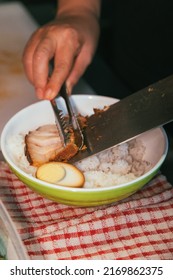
x=64, y=60
x=41, y=58
x=27, y=58
x=81, y=63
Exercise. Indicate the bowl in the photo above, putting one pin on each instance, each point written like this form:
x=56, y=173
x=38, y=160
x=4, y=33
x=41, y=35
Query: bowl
x=41, y=113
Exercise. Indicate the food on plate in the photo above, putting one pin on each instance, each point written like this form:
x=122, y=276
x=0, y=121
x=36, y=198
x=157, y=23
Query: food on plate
x=44, y=145
x=61, y=173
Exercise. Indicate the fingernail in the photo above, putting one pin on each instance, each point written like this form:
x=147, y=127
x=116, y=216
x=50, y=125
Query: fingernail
x=49, y=94
x=39, y=93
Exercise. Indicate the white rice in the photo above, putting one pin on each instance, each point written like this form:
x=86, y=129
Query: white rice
x=16, y=147
x=118, y=165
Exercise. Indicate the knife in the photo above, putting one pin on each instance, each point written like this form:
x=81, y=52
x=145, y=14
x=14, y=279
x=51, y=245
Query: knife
x=144, y=110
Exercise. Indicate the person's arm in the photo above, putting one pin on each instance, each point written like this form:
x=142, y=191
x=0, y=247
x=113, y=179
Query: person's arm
x=71, y=40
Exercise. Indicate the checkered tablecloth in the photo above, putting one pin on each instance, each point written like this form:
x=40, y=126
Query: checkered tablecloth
x=140, y=227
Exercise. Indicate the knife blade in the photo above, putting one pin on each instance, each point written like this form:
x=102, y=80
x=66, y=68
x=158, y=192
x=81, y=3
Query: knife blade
x=144, y=110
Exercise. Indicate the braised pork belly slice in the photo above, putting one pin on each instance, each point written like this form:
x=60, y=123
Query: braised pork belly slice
x=44, y=145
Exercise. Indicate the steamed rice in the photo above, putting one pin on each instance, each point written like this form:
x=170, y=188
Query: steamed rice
x=118, y=165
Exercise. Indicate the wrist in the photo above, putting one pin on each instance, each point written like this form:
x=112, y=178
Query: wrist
x=78, y=8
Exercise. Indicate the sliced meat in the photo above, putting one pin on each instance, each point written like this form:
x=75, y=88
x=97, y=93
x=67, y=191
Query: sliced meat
x=44, y=145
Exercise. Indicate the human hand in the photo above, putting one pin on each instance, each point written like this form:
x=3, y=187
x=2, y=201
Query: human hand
x=71, y=42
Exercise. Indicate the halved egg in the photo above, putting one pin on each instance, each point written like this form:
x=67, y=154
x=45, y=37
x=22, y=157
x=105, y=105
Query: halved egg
x=61, y=173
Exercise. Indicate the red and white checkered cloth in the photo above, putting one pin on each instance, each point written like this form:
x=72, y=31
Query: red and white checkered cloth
x=140, y=227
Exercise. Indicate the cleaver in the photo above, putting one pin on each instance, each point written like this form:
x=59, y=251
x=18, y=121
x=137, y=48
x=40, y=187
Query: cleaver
x=144, y=110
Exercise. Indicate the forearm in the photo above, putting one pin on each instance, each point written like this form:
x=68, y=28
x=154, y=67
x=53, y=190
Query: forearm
x=82, y=7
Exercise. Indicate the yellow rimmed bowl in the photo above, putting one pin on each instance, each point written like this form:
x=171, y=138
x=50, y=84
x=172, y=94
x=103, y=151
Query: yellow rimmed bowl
x=41, y=113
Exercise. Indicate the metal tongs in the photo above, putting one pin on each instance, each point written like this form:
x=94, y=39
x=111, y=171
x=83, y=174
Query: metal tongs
x=73, y=121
